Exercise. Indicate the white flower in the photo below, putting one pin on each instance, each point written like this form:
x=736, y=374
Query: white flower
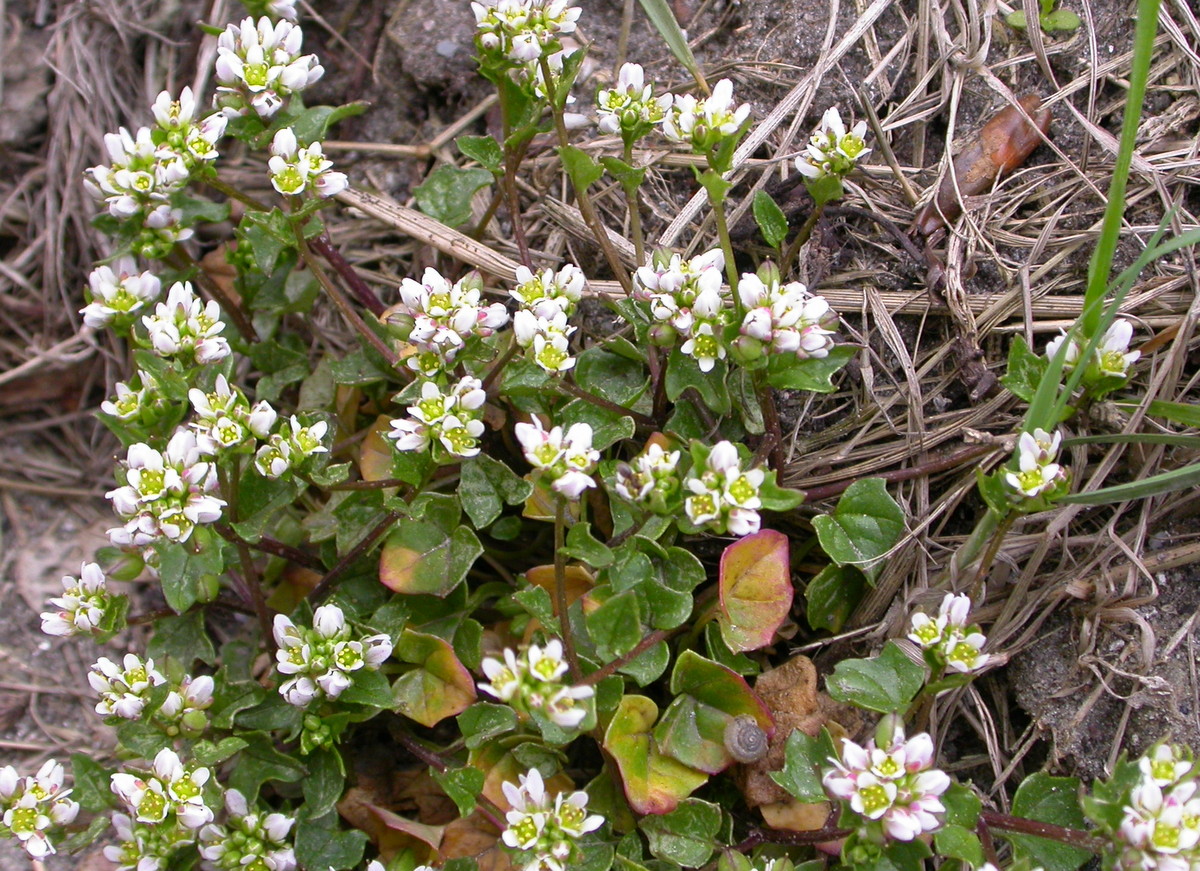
x=1165, y=764
x=438, y=318
x=82, y=606
x=519, y=31
x=723, y=495
x=320, y=661
x=185, y=325
x=124, y=689
x=786, y=317
x=35, y=806
x=949, y=638
x=650, y=478
x=1038, y=471
x=533, y=681
x=259, y=66
x=704, y=124
x=453, y=420
x=548, y=291
x=117, y=292
x=295, y=169
x=630, y=106
x=1115, y=356
x=248, y=839
x=543, y=826
x=897, y=785
x=565, y=458
x=832, y=150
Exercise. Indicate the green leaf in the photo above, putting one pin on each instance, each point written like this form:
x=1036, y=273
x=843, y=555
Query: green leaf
x=654, y=784
x=259, y=762
x=583, y=546
x=486, y=486
x=608, y=427
x=1109, y=798
x=616, y=625
x=832, y=595
x=1163, y=482
x=484, y=150
x=184, y=568
x=324, y=783
x=91, y=787
x=483, y=721
x=368, y=687
x=446, y=193
x=788, y=372
x=461, y=785
x=755, y=589
x=313, y=124
x=647, y=667
x=955, y=842
x=1025, y=370
x=1060, y=19
x=439, y=688
x=583, y=170
x=663, y=18
x=611, y=376
x=803, y=760
x=1016, y=19
x=630, y=177
x=826, y=189
x=420, y=557
x=322, y=843
x=1048, y=800
x=687, y=835
x=863, y=528
x=962, y=806
x=684, y=372
x=886, y=683
x=772, y=222
x=184, y=639
x=208, y=754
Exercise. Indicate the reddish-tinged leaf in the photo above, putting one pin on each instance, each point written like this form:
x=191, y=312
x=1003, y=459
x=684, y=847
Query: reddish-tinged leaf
x=439, y=687
x=419, y=557
x=376, y=452
x=756, y=590
x=654, y=784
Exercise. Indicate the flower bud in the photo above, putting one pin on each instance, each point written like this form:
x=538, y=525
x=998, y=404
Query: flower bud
x=664, y=335
x=768, y=273
x=746, y=349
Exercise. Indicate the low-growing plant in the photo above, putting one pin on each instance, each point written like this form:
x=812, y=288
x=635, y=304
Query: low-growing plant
x=496, y=535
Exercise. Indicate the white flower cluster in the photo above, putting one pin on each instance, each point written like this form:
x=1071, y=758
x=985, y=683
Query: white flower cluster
x=687, y=298
x=320, y=662
x=651, y=479
x=948, y=637
x=259, y=66
x=248, y=839
x=546, y=828
x=1160, y=830
x=533, y=682
x=1039, y=473
x=1112, y=358
x=291, y=445
x=147, y=167
x=164, y=808
x=783, y=319
x=452, y=421
x=130, y=402
x=295, y=169
x=520, y=31
x=724, y=496
x=118, y=292
x=224, y=419
x=187, y=327
x=630, y=108
x=704, y=124
x=125, y=691
x=897, y=786
x=438, y=318
x=34, y=805
x=165, y=493
x=81, y=608
x=832, y=150
x=566, y=459
x=547, y=300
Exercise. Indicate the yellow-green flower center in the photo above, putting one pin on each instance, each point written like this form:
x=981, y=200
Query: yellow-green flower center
x=742, y=490
x=874, y=798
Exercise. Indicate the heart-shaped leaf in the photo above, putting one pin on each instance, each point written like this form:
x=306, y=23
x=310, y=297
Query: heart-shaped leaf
x=420, y=557
x=439, y=687
x=755, y=589
x=654, y=784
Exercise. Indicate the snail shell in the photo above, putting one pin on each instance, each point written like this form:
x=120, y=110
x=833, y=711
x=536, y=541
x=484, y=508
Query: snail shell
x=745, y=740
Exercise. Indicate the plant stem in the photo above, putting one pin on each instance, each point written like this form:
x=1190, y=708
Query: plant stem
x=731, y=273
x=586, y=208
x=560, y=588
x=633, y=200
x=323, y=245
x=793, y=249
x=979, y=537
x=235, y=194
x=251, y=582
x=766, y=398
x=180, y=259
x=629, y=656
x=339, y=299
x=322, y=589
x=1073, y=837
x=600, y=402
x=271, y=546
x=918, y=471
x=778, y=836
x=493, y=206
x=993, y=548
x=508, y=182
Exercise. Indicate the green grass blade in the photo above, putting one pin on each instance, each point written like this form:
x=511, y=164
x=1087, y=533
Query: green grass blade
x=660, y=15
x=1137, y=438
x=1165, y=482
x=1177, y=412
x=1106, y=246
